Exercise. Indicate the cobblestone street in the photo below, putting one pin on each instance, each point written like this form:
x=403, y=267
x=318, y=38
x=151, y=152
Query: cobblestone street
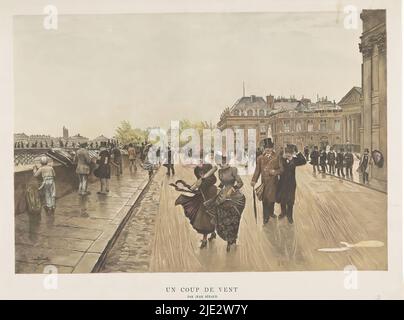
x=133, y=249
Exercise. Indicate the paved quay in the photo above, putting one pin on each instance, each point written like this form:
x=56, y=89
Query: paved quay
x=74, y=240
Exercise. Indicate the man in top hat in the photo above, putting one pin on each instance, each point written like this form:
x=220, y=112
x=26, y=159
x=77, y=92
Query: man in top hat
x=269, y=167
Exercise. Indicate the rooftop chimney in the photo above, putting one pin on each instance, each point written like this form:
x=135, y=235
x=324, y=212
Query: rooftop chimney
x=270, y=102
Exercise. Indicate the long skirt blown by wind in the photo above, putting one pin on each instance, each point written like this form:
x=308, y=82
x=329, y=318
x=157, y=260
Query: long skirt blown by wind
x=48, y=190
x=196, y=212
x=227, y=211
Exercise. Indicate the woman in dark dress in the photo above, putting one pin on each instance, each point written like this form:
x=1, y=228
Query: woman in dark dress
x=194, y=209
x=287, y=182
x=104, y=169
x=228, y=205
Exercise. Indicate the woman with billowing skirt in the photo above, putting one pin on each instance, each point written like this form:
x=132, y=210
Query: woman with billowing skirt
x=194, y=209
x=227, y=207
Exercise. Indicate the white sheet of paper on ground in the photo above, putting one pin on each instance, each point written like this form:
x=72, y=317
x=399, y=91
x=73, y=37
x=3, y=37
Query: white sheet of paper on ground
x=360, y=244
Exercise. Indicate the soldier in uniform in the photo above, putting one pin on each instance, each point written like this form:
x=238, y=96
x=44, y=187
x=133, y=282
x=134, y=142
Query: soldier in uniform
x=348, y=161
x=269, y=167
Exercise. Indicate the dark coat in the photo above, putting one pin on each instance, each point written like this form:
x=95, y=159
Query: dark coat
x=323, y=158
x=287, y=182
x=348, y=159
x=104, y=169
x=314, y=157
x=331, y=158
x=340, y=160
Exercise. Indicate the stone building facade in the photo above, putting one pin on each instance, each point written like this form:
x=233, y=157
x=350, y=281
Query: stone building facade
x=318, y=127
x=286, y=120
x=248, y=113
x=374, y=89
x=351, y=105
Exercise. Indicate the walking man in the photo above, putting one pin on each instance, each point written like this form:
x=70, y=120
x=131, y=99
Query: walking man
x=117, y=162
x=306, y=153
x=340, y=163
x=331, y=156
x=132, y=158
x=364, y=166
x=269, y=168
x=314, y=159
x=323, y=161
x=83, y=161
x=169, y=164
x=287, y=182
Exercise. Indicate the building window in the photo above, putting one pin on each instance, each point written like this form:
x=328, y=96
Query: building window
x=236, y=112
x=309, y=125
x=323, y=125
x=337, y=125
x=298, y=126
x=286, y=126
x=263, y=129
x=262, y=113
x=250, y=113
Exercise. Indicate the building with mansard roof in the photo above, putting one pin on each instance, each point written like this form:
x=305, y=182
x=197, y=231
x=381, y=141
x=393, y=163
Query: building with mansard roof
x=286, y=120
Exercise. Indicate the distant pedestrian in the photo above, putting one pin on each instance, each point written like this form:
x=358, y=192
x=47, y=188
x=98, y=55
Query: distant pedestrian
x=340, y=163
x=158, y=156
x=117, y=160
x=306, y=153
x=365, y=163
x=348, y=162
x=147, y=163
x=48, y=186
x=83, y=160
x=287, y=183
x=169, y=163
x=132, y=158
x=323, y=161
x=314, y=159
x=331, y=157
x=103, y=172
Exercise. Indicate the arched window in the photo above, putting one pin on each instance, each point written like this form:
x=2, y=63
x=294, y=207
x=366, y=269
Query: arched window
x=250, y=113
x=236, y=112
x=262, y=113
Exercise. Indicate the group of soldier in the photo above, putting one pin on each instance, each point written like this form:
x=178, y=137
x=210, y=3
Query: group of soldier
x=332, y=162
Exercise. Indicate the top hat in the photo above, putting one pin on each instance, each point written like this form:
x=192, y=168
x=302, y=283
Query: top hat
x=268, y=143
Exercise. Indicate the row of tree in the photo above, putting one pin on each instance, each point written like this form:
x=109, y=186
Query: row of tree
x=127, y=134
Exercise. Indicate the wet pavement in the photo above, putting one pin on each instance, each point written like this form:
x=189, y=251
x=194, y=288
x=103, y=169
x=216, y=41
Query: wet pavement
x=74, y=238
x=328, y=211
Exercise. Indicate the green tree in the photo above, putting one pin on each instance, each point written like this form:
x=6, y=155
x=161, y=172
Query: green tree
x=188, y=124
x=126, y=134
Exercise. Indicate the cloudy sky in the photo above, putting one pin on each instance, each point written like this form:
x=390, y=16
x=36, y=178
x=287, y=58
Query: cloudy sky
x=97, y=70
